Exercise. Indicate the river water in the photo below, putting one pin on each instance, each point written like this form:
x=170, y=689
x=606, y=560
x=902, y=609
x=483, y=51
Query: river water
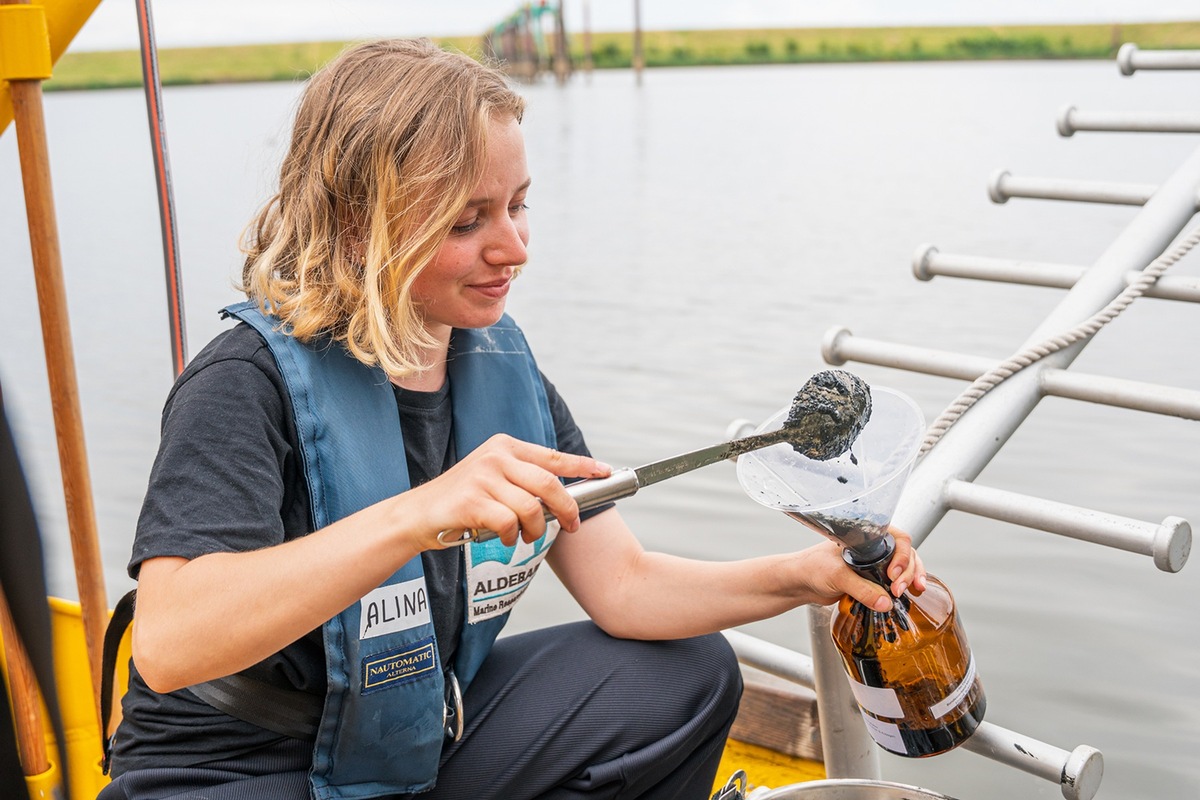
x=693, y=239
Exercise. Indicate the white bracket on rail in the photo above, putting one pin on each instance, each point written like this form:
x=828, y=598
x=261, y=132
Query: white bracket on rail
x=1130, y=59
x=928, y=262
x=840, y=346
x=1168, y=542
x=1078, y=772
x=1071, y=119
x=1003, y=185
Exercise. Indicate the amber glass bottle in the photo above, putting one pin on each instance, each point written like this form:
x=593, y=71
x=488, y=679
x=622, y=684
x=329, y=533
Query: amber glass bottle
x=910, y=668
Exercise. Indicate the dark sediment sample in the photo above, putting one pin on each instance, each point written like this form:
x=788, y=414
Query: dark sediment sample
x=828, y=414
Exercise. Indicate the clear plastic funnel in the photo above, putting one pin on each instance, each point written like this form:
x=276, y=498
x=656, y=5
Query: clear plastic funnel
x=849, y=499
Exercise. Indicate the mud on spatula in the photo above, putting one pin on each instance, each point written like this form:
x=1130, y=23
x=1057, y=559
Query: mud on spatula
x=825, y=418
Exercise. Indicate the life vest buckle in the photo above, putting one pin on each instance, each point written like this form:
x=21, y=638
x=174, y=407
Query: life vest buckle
x=452, y=717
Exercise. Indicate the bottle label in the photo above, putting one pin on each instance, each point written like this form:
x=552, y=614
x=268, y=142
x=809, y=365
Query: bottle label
x=878, y=700
x=952, y=700
x=886, y=734
x=883, y=702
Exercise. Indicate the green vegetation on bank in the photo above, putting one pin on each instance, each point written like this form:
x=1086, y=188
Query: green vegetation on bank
x=818, y=45
x=273, y=62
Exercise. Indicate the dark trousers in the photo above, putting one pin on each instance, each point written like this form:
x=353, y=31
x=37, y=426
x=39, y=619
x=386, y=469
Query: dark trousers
x=559, y=713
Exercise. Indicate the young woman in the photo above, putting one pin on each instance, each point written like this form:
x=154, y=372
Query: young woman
x=305, y=626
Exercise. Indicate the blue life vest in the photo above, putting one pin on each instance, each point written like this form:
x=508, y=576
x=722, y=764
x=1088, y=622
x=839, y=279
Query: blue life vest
x=381, y=731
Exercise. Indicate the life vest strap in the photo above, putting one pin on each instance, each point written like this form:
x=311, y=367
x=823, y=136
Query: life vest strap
x=289, y=712
x=122, y=618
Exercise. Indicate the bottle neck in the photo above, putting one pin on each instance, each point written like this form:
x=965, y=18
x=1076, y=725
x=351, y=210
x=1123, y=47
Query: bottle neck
x=873, y=569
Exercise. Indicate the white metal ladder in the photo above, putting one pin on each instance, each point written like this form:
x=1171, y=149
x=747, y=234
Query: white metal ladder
x=944, y=479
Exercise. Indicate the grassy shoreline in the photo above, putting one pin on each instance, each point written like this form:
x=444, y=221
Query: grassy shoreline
x=287, y=62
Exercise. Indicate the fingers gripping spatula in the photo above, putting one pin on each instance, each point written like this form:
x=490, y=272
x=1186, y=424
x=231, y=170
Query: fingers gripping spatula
x=825, y=418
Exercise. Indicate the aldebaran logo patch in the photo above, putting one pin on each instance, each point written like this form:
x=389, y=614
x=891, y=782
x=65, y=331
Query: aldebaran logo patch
x=498, y=575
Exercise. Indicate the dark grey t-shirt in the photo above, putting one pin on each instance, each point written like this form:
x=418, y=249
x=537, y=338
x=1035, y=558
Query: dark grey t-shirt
x=228, y=478
x=429, y=451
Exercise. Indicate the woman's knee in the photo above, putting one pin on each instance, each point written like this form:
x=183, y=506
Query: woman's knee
x=697, y=674
x=715, y=661
x=702, y=672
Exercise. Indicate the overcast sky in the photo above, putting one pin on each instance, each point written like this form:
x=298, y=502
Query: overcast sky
x=182, y=23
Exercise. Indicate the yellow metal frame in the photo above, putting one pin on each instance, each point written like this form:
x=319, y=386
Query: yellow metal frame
x=765, y=768
x=33, y=36
x=77, y=705
x=24, y=43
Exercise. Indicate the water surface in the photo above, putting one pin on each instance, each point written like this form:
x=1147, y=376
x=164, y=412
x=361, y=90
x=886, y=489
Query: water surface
x=693, y=240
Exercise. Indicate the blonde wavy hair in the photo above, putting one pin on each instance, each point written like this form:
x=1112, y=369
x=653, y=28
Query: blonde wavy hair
x=387, y=146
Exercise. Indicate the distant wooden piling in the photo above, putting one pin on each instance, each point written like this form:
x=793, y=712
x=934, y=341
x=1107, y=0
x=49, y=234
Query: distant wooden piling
x=587, y=37
x=562, y=58
x=639, y=61
x=530, y=61
x=523, y=46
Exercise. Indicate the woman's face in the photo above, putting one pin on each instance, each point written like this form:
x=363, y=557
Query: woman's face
x=466, y=284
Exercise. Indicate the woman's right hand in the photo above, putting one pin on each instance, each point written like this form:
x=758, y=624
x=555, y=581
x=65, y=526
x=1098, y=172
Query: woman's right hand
x=504, y=485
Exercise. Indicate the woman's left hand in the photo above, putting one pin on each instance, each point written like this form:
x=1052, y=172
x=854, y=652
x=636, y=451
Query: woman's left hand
x=906, y=570
x=822, y=576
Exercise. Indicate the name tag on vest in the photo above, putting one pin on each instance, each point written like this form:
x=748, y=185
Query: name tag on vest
x=393, y=608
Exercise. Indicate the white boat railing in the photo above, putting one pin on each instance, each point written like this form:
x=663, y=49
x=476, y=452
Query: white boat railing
x=944, y=478
x=929, y=261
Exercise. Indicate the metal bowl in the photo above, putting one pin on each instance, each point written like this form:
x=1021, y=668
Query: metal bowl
x=850, y=789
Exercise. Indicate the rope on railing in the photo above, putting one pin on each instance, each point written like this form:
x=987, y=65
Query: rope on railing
x=994, y=377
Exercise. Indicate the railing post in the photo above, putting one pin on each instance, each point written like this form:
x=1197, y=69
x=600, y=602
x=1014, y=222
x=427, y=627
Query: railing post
x=847, y=748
